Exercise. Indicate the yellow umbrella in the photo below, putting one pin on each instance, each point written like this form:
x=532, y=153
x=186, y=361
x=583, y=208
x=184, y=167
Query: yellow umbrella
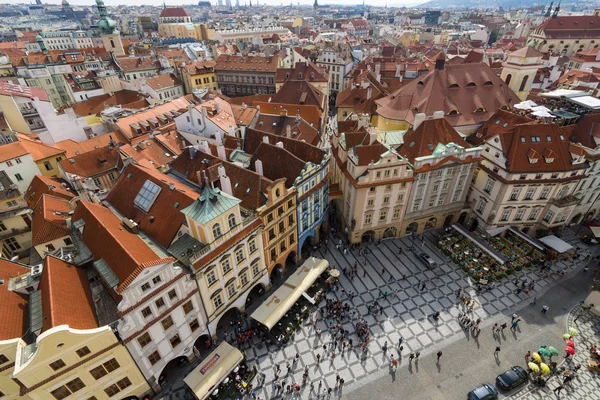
x=545, y=368
x=573, y=331
x=536, y=357
x=534, y=367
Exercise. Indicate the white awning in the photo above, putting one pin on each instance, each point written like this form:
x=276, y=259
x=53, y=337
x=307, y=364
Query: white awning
x=563, y=93
x=587, y=102
x=595, y=231
x=207, y=376
x=275, y=307
x=556, y=243
x=496, y=231
x=525, y=105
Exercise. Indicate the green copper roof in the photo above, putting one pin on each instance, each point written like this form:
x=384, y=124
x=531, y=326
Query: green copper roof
x=211, y=204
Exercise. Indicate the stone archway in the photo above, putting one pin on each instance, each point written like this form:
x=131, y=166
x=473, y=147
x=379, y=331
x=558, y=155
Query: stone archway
x=202, y=346
x=474, y=224
x=171, y=370
x=431, y=223
x=227, y=323
x=412, y=228
x=390, y=232
x=576, y=219
x=462, y=218
x=254, y=294
x=367, y=237
x=448, y=221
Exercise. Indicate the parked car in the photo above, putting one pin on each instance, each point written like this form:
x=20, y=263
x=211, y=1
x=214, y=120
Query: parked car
x=427, y=260
x=514, y=377
x=484, y=392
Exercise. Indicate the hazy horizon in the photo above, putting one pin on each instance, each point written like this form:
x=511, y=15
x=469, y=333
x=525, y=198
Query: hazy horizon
x=214, y=2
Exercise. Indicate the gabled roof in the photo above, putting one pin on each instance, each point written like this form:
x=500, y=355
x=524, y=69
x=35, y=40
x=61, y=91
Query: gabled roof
x=302, y=70
x=156, y=113
x=422, y=141
x=164, y=218
x=501, y=122
x=278, y=163
x=93, y=162
x=38, y=150
x=162, y=81
x=66, y=296
x=10, y=89
x=45, y=185
x=49, y=220
x=527, y=52
x=173, y=12
x=73, y=148
x=472, y=91
x=278, y=125
x=582, y=23
x=587, y=128
x=127, y=99
x=211, y=204
x=104, y=234
x=299, y=92
x=198, y=67
x=13, y=312
x=309, y=113
x=369, y=153
x=137, y=63
x=12, y=150
x=247, y=63
x=303, y=151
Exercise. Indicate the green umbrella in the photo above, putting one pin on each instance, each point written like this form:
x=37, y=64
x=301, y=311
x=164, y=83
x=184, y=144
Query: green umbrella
x=553, y=350
x=544, y=351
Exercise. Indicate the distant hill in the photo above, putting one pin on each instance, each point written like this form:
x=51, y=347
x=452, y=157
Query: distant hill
x=477, y=3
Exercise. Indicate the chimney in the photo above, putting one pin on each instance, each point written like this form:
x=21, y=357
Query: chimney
x=419, y=118
x=221, y=152
x=288, y=131
x=203, y=147
x=192, y=152
x=369, y=93
x=224, y=181
x=398, y=70
x=265, y=139
x=171, y=186
x=219, y=138
x=372, y=135
x=377, y=69
x=438, y=115
x=199, y=177
x=217, y=107
x=258, y=167
x=231, y=131
x=279, y=144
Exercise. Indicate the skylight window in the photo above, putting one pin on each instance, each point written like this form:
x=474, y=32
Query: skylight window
x=147, y=195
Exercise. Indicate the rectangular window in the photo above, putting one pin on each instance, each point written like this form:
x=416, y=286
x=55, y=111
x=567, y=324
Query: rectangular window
x=514, y=196
x=146, y=312
x=160, y=303
x=291, y=220
x=545, y=193
x=167, y=323
x=98, y=372
x=172, y=294
x=505, y=215
x=75, y=385
x=368, y=218
x=145, y=286
x=194, y=325
x=154, y=357
x=84, y=351
x=480, y=207
x=239, y=255
x=548, y=217
x=147, y=195
x=217, y=301
x=533, y=214
x=529, y=194
x=489, y=185
x=144, y=339
x=60, y=393
x=244, y=279
x=292, y=240
x=58, y=364
x=3, y=359
x=231, y=290
x=175, y=341
x=211, y=277
x=48, y=166
x=188, y=307
x=382, y=215
x=519, y=214
x=226, y=266
x=252, y=245
x=156, y=279
x=18, y=177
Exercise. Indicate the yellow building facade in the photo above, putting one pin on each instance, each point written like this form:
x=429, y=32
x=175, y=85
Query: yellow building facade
x=185, y=30
x=88, y=364
x=199, y=75
x=518, y=71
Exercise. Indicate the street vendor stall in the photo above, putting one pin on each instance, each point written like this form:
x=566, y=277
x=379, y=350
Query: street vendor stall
x=275, y=307
x=210, y=379
x=493, y=254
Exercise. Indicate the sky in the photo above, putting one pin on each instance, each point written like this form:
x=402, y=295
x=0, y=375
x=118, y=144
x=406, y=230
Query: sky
x=184, y=2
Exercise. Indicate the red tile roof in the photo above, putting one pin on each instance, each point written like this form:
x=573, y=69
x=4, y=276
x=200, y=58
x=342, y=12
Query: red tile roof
x=10, y=89
x=299, y=128
x=37, y=149
x=304, y=151
x=474, y=86
x=66, y=296
x=526, y=52
x=163, y=220
x=49, y=220
x=162, y=81
x=501, y=122
x=423, y=140
x=174, y=12
x=106, y=237
x=278, y=163
x=587, y=130
x=299, y=92
x=255, y=64
x=580, y=26
x=13, y=312
x=41, y=185
x=137, y=63
x=73, y=148
x=92, y=163
x=12, y=150
x=125, y=98
x=302, y=70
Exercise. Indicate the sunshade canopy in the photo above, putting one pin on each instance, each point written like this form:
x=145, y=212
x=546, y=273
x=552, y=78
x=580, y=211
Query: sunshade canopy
x=556, y=243
x=275, y=307
x=213, y=370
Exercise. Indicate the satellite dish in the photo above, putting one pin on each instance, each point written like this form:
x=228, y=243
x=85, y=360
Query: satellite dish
x=4, y=60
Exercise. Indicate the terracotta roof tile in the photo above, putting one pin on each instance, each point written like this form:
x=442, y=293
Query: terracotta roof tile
x=66, y=296
x=163, y=220
x=124, y=124
x=73, y=148
x=587, y=130
x=37, y=149
x=137, y=63
x=302, y=70
x=41, y=185
x=162, y=81
x=93, y=162
x=198, y=67
x=13, y=312
x=502, y=121
x=173, y=12
x=49, y=220
x=107, y=239
x=247, y=63
x=299, y=92
x=9, y=89
x=128, y=99
x=304, y=151
x=278, y=163
x=309, y=113
x=278, y=125
x=12, y=150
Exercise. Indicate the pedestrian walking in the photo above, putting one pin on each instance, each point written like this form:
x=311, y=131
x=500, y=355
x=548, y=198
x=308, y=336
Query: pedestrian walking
x=412, y=355
x=558, y=390
x=514, y=325
x=545, y=309
x=364, y=273
x=495, y=328
x=514, y=316
x=503, y=327
x=385, y=347
x=417, y=354
x=318, y=358
x=527, y=355
x=567, y=379
x=439, y=354
x=497, y=351
x=400, y=340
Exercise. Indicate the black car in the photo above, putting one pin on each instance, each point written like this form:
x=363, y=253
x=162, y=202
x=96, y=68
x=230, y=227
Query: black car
x=484, y=392
x=514, y=377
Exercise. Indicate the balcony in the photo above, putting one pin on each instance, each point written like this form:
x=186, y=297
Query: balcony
x=566, y=201
x=28, y=111
x=13, y=232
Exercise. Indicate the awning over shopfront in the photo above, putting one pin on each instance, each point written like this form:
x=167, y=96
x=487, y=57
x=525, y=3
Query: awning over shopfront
x=494, y=254
x=496, y=231
x=275, y=307
x=556, y=243
x=206, y=377
x=595, y=231
x=534, y=242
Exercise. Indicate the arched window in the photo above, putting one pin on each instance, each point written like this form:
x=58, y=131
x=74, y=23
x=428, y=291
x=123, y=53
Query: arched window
x=216, y=231
x=112, y=43
x=524, y=83
x=508, y=78
x=231, y=220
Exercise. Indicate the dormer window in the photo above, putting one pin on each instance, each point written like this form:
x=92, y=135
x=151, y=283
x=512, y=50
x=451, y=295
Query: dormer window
x=488, y=83
x=533, y=161
x=421, y=83
x=453, y=86
x=479, y=110
x=453, y=112
x=549, y=160
x=471, y=84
